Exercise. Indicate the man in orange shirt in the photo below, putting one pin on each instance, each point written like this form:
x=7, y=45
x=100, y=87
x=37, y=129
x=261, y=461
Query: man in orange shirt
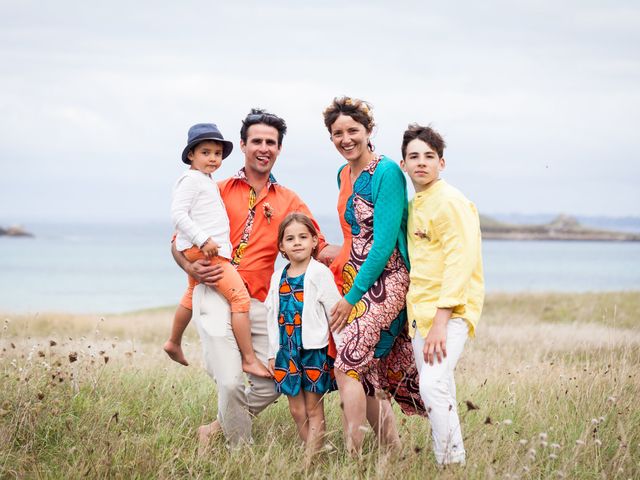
x=256, y=204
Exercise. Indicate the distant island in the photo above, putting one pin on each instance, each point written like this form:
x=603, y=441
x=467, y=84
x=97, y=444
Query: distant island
x=563, y=227
x=15, y=231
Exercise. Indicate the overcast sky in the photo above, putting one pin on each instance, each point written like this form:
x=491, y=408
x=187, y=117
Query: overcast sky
x=539, y=101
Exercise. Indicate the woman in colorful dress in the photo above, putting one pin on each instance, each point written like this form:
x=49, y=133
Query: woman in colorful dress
x=374, y=357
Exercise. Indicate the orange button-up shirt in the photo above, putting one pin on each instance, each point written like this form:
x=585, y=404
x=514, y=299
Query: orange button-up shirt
x=257, y=261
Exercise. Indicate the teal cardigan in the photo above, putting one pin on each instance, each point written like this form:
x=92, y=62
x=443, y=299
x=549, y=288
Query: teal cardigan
x=390, y=210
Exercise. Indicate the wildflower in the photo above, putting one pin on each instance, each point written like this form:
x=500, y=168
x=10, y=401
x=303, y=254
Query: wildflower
x=601, y=419
x=611, y=399
x=523, y=441
x=543, y=435
x=594, y=421
x=507, y=421
x=597, y=441
x=543, y=444
x=555, y=445
x=553, y=456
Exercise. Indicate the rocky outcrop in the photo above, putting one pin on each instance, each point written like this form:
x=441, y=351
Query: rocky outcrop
x=563, y=227
x=15, y=231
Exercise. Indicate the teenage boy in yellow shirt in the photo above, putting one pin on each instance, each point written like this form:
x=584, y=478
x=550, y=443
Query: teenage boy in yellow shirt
x=447, y=286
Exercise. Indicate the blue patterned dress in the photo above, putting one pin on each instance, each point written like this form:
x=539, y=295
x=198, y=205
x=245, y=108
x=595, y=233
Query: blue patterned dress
x=296, y=367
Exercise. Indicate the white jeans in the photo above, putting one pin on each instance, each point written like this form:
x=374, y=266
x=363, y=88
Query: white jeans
x=237, y=402
x=438, y=392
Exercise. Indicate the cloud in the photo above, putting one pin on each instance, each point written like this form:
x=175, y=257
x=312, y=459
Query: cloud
x=95, y=103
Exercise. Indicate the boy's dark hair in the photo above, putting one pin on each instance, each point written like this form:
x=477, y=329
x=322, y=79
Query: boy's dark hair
x=259, y=115
x=355, y=108
x=300, y=218
x=427, y=135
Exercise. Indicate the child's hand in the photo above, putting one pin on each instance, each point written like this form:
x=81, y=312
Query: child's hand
x=339, y=315
x=210, y=248
x=271, y=366
x=435, y=345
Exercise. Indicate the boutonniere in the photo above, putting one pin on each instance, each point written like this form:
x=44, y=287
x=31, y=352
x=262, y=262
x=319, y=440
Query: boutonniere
x=422, y=234
x=267, y=209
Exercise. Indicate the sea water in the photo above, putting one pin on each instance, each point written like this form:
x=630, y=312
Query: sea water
x=117, y=268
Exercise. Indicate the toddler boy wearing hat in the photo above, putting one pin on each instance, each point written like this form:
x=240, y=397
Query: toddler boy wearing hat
x=202, y=231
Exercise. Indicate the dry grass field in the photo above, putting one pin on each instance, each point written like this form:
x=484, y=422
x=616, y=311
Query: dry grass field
x=548, y=389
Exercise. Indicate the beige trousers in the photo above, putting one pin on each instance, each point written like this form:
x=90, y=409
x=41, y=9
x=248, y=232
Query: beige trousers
x=237, y=402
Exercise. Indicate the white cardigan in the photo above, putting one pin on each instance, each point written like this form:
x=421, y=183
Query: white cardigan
x=320, y=295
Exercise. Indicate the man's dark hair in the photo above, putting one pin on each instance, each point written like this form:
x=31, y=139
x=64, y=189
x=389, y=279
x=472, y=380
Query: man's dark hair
x=427, y=134
x=259, y=115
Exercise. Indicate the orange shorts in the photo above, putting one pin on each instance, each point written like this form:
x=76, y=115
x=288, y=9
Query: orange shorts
x=230, y=286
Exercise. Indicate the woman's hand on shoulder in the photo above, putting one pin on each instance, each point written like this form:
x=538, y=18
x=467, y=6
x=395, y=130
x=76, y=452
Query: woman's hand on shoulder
x=339, y=315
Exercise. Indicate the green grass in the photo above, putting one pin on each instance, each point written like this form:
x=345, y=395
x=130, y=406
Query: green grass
x=556, y=397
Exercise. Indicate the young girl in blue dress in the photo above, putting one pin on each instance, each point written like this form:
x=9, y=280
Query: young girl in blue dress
x=301, y=295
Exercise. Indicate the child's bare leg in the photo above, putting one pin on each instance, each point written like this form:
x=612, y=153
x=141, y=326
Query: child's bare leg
x=314, y=405
x=241, y=326
x=173, y=346
x=299, y=413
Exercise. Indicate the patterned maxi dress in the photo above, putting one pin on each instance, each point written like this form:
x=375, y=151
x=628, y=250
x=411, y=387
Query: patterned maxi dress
x=375, y=348
x=297, y=368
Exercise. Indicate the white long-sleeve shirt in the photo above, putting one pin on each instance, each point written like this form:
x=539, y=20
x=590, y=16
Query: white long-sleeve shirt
x=198, y=213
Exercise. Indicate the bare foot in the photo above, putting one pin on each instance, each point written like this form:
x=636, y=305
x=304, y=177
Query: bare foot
x=206, y=433
x=174, y=351
x=255, y=367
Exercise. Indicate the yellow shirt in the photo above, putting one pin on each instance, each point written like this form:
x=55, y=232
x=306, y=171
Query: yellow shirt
x=443, y=234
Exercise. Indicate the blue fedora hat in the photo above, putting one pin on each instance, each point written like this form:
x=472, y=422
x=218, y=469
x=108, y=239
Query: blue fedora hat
x=205, y=131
